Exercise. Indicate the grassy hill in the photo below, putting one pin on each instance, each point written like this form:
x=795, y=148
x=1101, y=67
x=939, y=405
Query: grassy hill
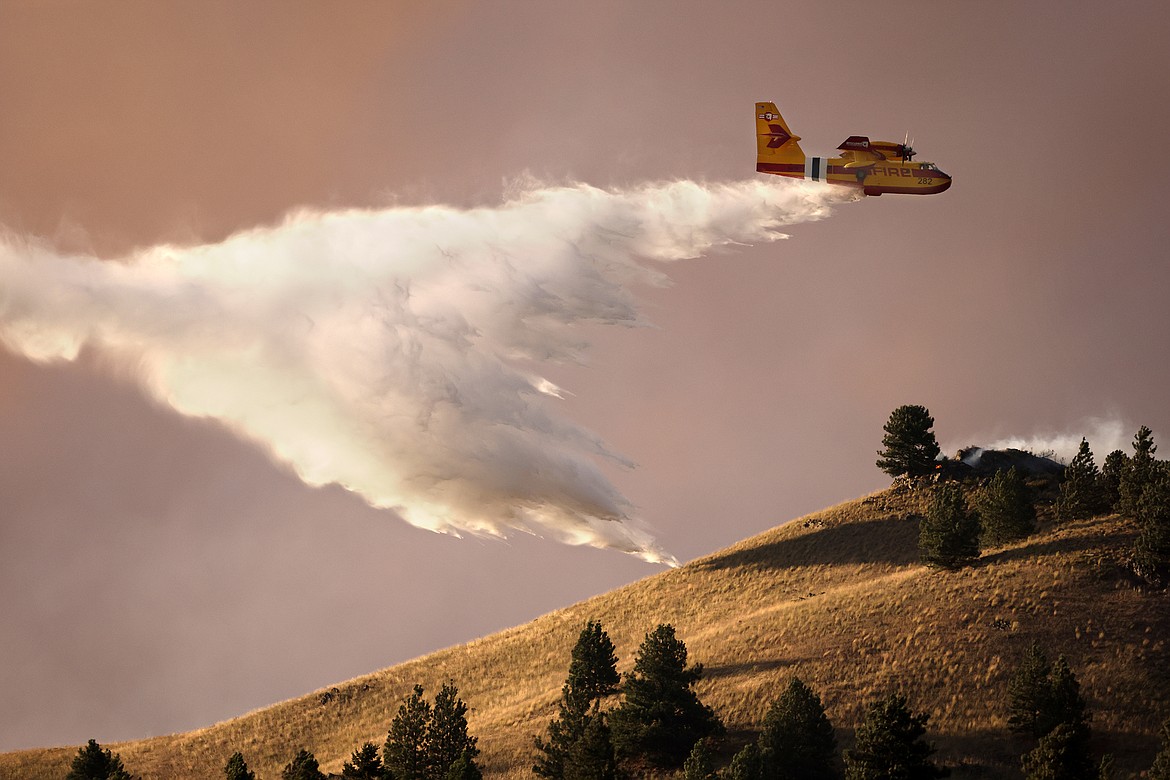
x=837, y=597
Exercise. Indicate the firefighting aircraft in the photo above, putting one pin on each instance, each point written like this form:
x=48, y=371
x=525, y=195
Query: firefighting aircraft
x=875, y=166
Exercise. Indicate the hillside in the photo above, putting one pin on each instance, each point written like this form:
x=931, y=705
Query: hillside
x=837, y=597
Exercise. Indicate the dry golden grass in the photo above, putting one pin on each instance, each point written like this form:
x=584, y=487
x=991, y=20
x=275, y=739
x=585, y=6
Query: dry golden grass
x=837, y=598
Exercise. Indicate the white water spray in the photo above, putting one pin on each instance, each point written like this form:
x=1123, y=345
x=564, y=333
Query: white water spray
x=394, y=352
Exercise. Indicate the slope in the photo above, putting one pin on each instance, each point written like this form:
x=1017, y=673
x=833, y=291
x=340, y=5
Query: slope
x=837, y=597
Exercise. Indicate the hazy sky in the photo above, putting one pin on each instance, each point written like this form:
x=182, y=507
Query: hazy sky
x=160, y=574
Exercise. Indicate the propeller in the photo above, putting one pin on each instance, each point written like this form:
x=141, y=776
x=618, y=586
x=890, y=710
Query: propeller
x=907, y=148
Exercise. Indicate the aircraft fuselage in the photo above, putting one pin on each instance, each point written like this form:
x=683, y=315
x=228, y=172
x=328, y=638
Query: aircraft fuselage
x=875, y=167
x=887, y=176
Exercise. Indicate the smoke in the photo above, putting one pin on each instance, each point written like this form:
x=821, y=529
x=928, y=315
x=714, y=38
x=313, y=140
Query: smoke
x=1104, y=435
x=396, y=352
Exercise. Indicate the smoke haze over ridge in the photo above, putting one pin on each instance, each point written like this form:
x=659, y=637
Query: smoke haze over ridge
x=396, y=352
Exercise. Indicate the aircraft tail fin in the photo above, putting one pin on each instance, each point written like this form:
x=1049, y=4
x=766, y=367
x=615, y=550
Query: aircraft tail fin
x=777, y=149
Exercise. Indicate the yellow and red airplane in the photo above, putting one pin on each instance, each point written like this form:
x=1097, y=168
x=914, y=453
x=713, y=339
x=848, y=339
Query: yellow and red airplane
x=876, y=167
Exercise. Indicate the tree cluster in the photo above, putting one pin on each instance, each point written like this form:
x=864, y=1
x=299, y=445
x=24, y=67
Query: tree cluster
x=425, y=742
x=658, y=722
x=1045, y=704
x=951, y=534
x=1137, y=487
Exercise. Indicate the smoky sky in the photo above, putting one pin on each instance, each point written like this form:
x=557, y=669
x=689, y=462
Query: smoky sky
x=162, y=572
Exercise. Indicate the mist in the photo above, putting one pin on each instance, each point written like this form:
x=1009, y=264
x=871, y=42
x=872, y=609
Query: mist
x=398, y=352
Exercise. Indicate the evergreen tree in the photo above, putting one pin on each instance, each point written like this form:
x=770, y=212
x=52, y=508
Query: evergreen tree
x=661, y=717
x=591, y=757
x=909, y=444
x=447, y=738
x=236, y=768
x=948, y=535
x=1028, y=693
x=890, y=744
x=464, y=768
x=592, y=676
x=700, y=764
x=1160, y=770
x=92, y=762
x=1066, y=706
x=1105, y=768
x=1061, y=754
x=404, y=756
x=563, y=732
x=364, y=764
x=593, y=671
x=1042, y=696
x=747, y=764
x=1080, y=490
x=303, y=767
x=1151, y=559
x=1005, y=509
x=1139, y=473
x=1114, y=466
x=798, y=742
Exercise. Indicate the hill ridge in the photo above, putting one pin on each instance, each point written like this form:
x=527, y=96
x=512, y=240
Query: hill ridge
x=836, y=596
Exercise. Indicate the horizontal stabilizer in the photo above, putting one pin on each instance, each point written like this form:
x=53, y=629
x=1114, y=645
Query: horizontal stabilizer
x=857, y=143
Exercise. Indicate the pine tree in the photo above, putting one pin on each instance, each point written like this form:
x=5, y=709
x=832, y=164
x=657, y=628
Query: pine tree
x=1066, y=706
x=1043, y=695
x=948, y=535
x=447, y=739
x=747, y=764
x=1028, y=693
x=236, y=768
x=593, y=670
x=700, y=764
x=890, y=744
x=1080, y=490
x=592, y=676
x=563, y=733
x=464, y=768
x=592, y=757
x=404, y=756
x=1151, y=558
x=910, y=446
x=798, y=742
x=1061, y=754
x=427, y=742
x=1005, y=509
x=1160, y=769
x=661, y=717
x=364, y=764
x=304, y=766
x=1114, y=466
x=92, y=762
x=1139, y=473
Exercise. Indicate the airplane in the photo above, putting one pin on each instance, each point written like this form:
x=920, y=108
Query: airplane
x=876, y=167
